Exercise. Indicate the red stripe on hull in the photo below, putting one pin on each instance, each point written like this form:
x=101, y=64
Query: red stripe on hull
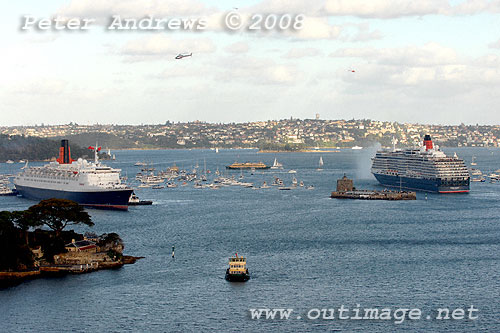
x=465, y=191
x=114, y=207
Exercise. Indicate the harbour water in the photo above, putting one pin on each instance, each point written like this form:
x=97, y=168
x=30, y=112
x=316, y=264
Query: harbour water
x=304, y=251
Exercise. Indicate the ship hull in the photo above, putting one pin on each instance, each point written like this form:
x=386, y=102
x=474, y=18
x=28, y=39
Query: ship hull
x=113, y=199
x=418, y=184
x=237, y=277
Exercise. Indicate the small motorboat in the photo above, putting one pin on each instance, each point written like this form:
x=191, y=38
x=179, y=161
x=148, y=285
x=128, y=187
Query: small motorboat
x=5, y=191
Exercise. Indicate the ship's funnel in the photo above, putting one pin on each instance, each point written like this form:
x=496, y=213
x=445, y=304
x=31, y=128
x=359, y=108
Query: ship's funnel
x=428, y=142
x=64, y=153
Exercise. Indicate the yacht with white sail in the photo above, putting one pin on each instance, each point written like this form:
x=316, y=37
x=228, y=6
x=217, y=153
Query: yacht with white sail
x=276, y=164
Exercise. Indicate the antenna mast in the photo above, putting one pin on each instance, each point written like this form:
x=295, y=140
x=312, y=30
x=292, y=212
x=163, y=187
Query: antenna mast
x=96, y=157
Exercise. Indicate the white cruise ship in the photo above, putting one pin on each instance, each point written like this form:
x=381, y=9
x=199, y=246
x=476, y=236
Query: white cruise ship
x=425, y=169
x=88, y=183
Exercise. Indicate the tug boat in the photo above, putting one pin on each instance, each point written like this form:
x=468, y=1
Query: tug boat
x=135, y=201
x=237, y=271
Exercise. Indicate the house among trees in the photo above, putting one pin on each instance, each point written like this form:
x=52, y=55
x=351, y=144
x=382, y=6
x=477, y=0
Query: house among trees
x=81, y=246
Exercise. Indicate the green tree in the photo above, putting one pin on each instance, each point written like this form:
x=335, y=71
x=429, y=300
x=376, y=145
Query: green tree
x=58, y=213
x=22, y=220
x=14, y=255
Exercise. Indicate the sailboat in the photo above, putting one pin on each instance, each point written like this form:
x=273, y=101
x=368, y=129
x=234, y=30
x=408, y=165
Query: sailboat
x=276, y=164
x=473, y=161
x=320, y=163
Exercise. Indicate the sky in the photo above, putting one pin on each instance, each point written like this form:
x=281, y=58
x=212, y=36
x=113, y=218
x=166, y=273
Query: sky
x=425, y=61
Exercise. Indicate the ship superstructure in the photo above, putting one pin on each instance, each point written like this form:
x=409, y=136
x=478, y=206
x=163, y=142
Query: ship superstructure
x=424, y=169
x=88, y=183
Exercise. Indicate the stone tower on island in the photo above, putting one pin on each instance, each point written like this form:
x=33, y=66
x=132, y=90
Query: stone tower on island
x=344, y=184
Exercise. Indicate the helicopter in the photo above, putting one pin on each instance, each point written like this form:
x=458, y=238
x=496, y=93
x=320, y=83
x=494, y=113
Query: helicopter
x=183, y=55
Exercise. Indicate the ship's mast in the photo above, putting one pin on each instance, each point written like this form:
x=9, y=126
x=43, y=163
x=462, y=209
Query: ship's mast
x=96, y=157
x=394, y=142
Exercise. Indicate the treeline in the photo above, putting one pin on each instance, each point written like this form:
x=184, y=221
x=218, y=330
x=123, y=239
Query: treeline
x=272, y=146
x=104, y=140
x=131, y=141
x=18, y=147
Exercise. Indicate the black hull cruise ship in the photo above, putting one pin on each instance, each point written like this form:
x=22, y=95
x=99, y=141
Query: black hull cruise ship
x=422, y=169
x=90, y=184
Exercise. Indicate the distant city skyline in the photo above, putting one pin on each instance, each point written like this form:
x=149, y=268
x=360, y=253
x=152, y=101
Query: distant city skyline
x=418, y=62
x=309, y=132
x=160, y=123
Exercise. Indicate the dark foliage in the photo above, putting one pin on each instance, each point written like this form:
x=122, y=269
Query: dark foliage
x=58, y=213
x=18, y=147
x=14, y=253
x=281, y=146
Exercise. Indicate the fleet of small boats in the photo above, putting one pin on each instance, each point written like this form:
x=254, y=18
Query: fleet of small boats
x=173, y=177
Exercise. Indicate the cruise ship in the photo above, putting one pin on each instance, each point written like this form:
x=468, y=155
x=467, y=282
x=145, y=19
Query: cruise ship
x=90, y=184
x=424, y=169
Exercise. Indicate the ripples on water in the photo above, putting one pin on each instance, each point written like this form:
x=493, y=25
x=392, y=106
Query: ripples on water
x=304, y=251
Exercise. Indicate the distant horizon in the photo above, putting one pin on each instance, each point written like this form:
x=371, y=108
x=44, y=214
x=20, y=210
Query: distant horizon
x=245, y=122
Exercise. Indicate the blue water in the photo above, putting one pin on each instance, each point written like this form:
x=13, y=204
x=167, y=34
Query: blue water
x=304, y=251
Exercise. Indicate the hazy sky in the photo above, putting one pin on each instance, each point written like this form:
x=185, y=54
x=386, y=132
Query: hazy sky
x=425, y=61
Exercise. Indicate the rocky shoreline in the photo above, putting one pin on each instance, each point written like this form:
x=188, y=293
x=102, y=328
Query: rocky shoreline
x=9, y=279
x=33, y=243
